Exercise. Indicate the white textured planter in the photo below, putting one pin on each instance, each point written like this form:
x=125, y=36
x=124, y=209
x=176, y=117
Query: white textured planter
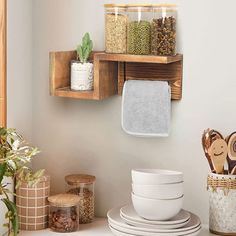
x=81, y=76
x=222, y=200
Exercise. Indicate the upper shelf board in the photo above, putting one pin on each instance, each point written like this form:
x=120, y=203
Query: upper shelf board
x=138, y=58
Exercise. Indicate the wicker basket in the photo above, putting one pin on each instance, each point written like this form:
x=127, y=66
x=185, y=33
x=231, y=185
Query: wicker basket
x=222, y=191
x=32, y=205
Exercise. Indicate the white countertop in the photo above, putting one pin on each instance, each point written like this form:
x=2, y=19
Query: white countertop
x=99, y=228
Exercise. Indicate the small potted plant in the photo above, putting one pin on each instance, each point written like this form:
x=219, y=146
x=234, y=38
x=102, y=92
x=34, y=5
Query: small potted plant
x=15, y=155
x=82, y=69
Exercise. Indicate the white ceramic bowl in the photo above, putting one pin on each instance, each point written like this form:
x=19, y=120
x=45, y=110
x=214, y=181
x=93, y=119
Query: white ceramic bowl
x=156, y=176
x=154, y=209
x=159, y=191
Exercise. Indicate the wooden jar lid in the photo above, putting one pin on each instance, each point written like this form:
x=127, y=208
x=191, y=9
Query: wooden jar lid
x=165, y=5
x=114, y=5
x=64, y=200
x=80, y=179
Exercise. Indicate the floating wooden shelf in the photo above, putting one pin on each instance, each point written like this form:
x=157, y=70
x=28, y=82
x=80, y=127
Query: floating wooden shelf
x=112, y=70
x=105, y=77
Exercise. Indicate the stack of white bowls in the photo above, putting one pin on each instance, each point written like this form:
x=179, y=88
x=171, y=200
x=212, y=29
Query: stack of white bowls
x=157, y=194
x=156, y=209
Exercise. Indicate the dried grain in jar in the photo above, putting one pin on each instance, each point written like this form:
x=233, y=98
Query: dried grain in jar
x=115, y=28
x=163, y=30
x=139, y=29
x=83, y=186
x=64, y=213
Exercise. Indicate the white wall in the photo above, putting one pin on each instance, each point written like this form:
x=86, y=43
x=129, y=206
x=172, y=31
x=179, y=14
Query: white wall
x=19, y=71
x=85, y=136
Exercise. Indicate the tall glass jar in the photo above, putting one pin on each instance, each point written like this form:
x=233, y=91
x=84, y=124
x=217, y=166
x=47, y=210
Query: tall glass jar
x=64, y=213
x=115, y=28
x=139, y=29
x=83, y=186
x=163, y=30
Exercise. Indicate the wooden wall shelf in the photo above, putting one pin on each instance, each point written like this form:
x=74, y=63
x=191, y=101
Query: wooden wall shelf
x=112, y=70
x=105, y=77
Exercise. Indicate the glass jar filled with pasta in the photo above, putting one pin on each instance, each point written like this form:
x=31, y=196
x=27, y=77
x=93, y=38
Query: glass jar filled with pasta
x=115, y=28
x=139, y=29
x=163, y=30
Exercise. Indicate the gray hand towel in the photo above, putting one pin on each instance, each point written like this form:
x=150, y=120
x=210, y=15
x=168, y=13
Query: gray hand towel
x=146, y=108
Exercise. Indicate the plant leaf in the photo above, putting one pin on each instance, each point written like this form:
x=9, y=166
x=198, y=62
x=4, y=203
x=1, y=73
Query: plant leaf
x=84, y=50
x=80, y=53
x=3, y=168
x=85, y=40
x=14, y=217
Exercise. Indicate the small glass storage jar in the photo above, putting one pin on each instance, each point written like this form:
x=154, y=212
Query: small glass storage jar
x=163, y=30
x=115, y=28
x=83, y=186
x=64, y=213
x=139, y=29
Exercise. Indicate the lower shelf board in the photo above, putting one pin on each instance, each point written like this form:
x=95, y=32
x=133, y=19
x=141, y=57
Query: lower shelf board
x=67, y=92
x=98, y=228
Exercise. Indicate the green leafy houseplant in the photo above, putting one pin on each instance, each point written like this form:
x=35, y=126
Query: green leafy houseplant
x=15, y=155
x=84, y=50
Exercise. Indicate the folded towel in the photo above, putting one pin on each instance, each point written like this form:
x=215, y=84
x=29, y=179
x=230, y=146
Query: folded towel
x=146, y=108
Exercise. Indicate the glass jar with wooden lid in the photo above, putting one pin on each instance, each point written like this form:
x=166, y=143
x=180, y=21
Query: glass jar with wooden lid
x=115, y=28
x=64, y=213
x=83, y=186
x=139, y=29
x=163, y=30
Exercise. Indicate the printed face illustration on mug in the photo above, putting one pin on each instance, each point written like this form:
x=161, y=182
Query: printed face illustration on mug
x=218, y=154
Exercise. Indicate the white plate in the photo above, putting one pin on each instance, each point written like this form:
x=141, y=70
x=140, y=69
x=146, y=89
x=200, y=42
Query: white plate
x=129, y=213
x=115, y=219
x=151, y=226
x=142, y=233
x=119, y=233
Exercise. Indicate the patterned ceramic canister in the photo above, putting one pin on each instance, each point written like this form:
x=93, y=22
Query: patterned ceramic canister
x=81, y=76
x=32, y=205
x=222, y=191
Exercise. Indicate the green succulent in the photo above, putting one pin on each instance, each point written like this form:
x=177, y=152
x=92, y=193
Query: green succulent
x=84, y=50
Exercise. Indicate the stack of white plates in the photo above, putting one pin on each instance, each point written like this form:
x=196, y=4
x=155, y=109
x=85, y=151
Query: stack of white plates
x=125, y=221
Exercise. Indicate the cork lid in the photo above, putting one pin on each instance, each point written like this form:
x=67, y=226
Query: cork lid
x=139, y=5
x=114, y=5
x=165, y=5
x=64, y=200
x=80, y=179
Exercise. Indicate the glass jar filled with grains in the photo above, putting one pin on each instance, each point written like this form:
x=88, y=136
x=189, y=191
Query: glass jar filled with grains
x=83, y=186
x=115, y=28
x=64, y=213
x=139, y=29
x=163, y=30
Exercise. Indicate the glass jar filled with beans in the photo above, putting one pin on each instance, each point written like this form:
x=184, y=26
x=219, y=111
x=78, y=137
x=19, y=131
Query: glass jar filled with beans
x=139, y=29
x=115, y=28
x=64, y=213
x=163, y=30
x=83, y=186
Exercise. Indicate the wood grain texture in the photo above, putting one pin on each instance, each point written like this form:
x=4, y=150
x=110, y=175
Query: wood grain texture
x=3, y=95
x=105, y=77
x=171, y=72
x=139, y=58
x=121, y=77
x=60, y=70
